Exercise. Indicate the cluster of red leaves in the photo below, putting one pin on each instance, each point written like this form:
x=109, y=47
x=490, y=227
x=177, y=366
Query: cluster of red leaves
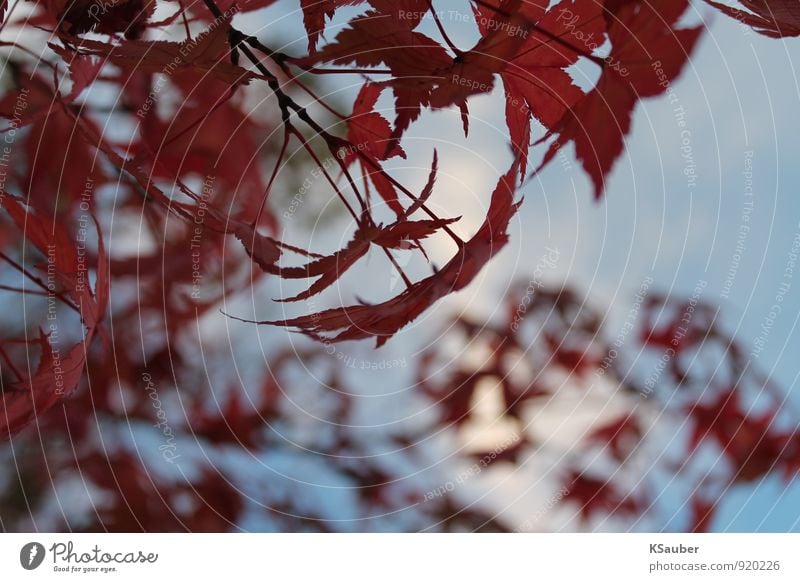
x=732, y=409
x=192, y=174
x=732, y=413
x=132, y=488
x=550, y=347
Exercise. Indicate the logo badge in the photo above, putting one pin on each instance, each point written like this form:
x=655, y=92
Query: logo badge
x=31, y=555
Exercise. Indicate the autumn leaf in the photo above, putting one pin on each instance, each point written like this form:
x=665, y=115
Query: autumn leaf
x=207, y=53
x=637, y=66
x=383, y=320
x=776, y=18
x=415, y=60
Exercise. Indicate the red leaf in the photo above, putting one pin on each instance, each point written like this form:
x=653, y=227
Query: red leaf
x=620, y=436
x=773, y=18
x=751, y=443
x=536, y=82
x=262, y=249
x=598, y=496
x=56, y=377
x=369, y=131
x=639, y=65
x=206, y=54
x=314, y=14
x=404, y=14
x=702, y=514
x=330, y=268
x=400, y=234
x=128, y=16
x=416, y=60
x=385, y=319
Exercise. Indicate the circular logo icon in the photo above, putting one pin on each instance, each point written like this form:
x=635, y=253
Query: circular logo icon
x=31, y=555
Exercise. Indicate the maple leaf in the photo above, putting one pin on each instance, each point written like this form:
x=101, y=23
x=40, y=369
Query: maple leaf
x=53, y=241
x=187, y=143
x=383, y=320
x=621, y=436
x=73, y=17
x=415, y=60
x=404, y=14
x=330, y=268
x=387, y=191
x=595, y=496
x=314, y=14
x=140, y=501
x=128, y=16
x=751, y=443
x=55, y=180
x=454, y=400
x=83, y=71
x=262, y=249
x=57, y=376
x=369, y=131
x=400, y=234
x=207, y=53
x=535, y=79
x=238, y=421
x=473, y=72
x=528, y=46
x=60, y=370
x=640, y=65
x=773, y=18
x=369, y=134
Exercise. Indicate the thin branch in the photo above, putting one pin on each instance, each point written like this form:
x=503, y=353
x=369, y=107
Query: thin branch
x=442, y=31
x=275, y=170
x=39, y=282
